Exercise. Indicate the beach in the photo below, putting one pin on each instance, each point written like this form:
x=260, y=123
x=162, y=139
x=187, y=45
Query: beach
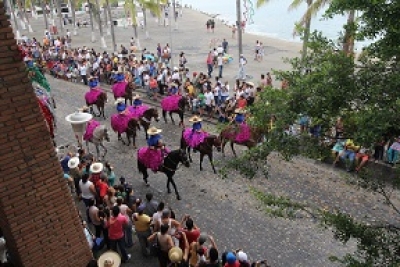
x=190, y=36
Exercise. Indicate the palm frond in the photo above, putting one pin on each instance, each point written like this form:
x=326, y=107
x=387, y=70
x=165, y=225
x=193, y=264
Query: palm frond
x=261, y=3
x=295, y=4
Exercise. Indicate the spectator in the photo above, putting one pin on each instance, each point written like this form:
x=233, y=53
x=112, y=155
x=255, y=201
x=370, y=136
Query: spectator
x=210, y=63
x=109, y=170
x=349, y=154
x=393, y=152
x=165, y=243
x=127, y=212
x=157, y=216
x=143, y=231
x=191, y=231
x=116, y=224
x=363, y=155
x=231, y=260
x=198, y=250
x=150, y=205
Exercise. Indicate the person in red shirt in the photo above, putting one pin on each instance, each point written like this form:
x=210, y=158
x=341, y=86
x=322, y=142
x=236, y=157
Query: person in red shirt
x=231, y=260
x=191, y=231
x=102, y=185
x=116, y=224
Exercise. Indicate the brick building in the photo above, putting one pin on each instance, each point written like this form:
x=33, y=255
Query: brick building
x=37, y=213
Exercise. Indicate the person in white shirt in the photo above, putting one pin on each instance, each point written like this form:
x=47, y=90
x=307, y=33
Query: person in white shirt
x=82, y=71
x=146, y=82
x=242, y=63
x=220, y=49
x=209, y=102
x=175, y=75
x=224, y=92
x=220, y=63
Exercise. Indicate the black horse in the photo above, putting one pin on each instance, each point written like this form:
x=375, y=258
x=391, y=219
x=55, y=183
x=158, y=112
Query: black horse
x=169, y=167
x=180, y=111
x=205, y=148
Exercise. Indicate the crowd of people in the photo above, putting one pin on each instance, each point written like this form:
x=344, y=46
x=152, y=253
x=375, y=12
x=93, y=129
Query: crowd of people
x=115, y=212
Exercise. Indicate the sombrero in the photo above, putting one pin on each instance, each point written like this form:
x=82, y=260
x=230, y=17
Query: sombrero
x=96, y=167
x=240, y=111
x=109, y=259
x=195, y=119
x=153, y=131
x=119, y=101
x=73, y=162
x=175, y=254
x=250, y=83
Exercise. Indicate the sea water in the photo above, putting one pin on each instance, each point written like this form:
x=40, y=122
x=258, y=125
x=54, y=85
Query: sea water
x=273, y=19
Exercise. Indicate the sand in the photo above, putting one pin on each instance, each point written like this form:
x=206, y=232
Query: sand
x=190, y=36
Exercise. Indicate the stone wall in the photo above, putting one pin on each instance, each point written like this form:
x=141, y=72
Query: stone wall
x=37, y=213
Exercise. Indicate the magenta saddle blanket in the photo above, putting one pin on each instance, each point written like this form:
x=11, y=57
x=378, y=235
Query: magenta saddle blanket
x=151, y=158
x=92, y=95
x=92, y=125
x=241, y=133
x=137, y=112
x=170, y=103
x=119, y=89
x=194, y=138
x=119, y=122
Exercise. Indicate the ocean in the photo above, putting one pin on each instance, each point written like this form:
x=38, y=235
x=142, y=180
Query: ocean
x=273, y=20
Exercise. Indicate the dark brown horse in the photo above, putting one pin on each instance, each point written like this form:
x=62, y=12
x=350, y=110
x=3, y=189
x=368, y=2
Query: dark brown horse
x=256, y=136
x=130, y=87
x=205, y=148
x=180, y=111
x=134, y=125
x=100, y=103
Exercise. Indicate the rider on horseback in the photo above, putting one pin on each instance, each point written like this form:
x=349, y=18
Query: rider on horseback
x=195, y=136
x=138, y=108
x=241, y=129
x=153, y=155
x=119, y=87
x=119, y=122
x=95, y=91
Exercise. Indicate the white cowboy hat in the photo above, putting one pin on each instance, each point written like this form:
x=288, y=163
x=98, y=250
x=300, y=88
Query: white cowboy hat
x=175, y=254
x=240, y=111
x=153, y=131
x=119, y=101
x=73, y=162
x=137, y=96
x=109, y=259
x=250, y=83
x=195, y=119
x=96, y=167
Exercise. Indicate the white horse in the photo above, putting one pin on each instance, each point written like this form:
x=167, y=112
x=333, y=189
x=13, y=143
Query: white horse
x=99, y=135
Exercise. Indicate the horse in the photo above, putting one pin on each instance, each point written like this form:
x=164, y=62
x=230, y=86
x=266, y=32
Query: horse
x=180, y=111
x=135, y=123
x=100, y=103
x=256, y=136
x=130, y=87
x=99, y=135
x=205, y=148
x=169, y=167
x=128, y=94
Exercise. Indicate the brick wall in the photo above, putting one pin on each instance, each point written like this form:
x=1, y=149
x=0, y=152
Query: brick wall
x=37, y=213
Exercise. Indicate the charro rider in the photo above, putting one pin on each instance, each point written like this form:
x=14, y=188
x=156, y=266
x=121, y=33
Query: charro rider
x=195, y=136
x=153, y=155
x=138, y=108
x=241, y=129
x=119, y=87
x=94, y=93
x=119, y=122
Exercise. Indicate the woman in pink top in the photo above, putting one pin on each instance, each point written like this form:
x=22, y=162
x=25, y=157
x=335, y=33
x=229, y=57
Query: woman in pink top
x=116, y=224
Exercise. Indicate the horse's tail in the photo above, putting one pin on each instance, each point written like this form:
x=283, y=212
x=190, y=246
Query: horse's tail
x=183, y=142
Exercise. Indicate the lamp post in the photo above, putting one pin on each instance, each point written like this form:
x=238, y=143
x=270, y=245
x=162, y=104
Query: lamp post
x=240, y=38
x=78, y=122
x=170, y=36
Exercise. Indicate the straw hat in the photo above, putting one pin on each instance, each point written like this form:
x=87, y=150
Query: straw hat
x=119, y=101
x=250, y=83
x=96, y=167
x=175, y=254
x=73, y=162
x=240, y=111
x=153, y=131
x=195, y=119
x=109, y=259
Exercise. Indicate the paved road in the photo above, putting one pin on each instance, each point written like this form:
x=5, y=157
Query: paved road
x=223, y=208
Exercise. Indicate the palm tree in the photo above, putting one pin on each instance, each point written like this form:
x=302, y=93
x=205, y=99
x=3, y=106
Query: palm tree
x=73, y=9
x=348, y=40
x=26, y=19
x=17, y=33
x=102, y=40
x=51, y=12
x=90, y=7
x=44, y=11
x=111, y=26
x=59, y=15
x=151, y=5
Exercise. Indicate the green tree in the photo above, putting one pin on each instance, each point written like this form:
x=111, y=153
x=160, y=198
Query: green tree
x=365, y=93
